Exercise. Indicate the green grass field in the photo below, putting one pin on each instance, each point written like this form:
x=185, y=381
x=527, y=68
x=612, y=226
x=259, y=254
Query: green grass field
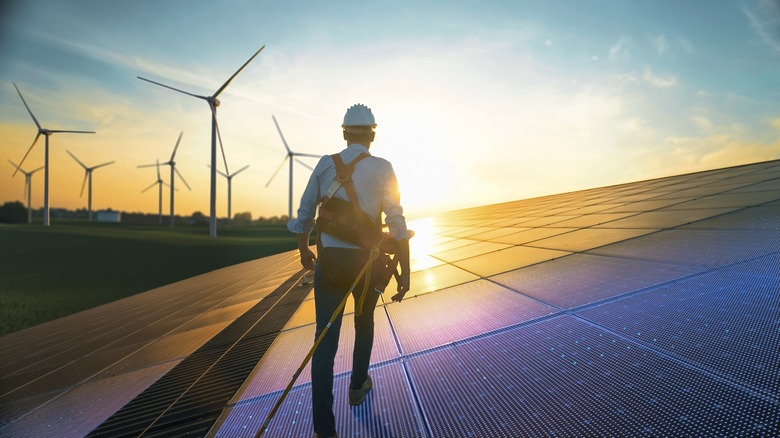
x=48, y=273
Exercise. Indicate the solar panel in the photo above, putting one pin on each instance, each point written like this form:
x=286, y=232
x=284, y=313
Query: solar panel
x=389, y=410
x=458, y=313
x=507, y=259
x=724, y=322
x=582, y=278
x=694, y=247
x=563, y=377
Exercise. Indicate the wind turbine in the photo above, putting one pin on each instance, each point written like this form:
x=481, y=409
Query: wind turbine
x=160, y=183
x=27, y=187
x=173, y=170
x=290, y=156
x=213, y=104
x=229, y=177
x=46, y=133
x=88, y=176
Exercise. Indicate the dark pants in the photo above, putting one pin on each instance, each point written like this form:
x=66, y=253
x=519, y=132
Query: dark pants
x=335, y=272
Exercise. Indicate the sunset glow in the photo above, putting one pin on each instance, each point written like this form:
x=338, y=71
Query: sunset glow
x=474, y=104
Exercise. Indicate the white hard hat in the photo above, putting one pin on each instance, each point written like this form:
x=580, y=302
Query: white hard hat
x=359, y=115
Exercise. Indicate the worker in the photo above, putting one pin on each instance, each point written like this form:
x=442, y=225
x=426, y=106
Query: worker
x=338, y=262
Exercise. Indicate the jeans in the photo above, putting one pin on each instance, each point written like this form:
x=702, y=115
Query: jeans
x=334, y=273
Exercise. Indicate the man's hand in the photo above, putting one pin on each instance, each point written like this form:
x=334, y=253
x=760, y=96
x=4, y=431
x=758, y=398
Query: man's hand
x=308, y=258
x=403, y=287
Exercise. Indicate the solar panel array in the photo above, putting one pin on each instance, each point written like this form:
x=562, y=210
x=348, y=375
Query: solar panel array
x=642, y=309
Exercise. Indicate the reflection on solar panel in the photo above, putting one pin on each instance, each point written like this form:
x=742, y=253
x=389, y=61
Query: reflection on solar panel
x=643, y=309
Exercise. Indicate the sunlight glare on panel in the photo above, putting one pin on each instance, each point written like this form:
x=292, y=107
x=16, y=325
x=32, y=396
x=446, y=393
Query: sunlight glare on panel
x=425, y=231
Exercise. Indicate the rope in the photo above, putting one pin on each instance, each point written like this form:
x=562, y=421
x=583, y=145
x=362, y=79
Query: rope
x=367, y=271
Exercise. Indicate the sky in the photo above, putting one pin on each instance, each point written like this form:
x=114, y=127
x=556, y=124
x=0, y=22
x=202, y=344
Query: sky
x=477, y=102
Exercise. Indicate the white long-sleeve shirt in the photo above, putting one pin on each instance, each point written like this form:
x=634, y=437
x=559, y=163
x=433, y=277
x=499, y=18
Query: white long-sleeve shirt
x=375, y=185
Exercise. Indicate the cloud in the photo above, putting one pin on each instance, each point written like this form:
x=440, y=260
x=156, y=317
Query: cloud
x=659, y=81
x=765, y=21
x=661, y=44
x=723, y=146
x=666, y=46
x=702, y=122
x=622, y=48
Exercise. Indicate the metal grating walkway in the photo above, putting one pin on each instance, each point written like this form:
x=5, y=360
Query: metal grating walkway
x=190, y=397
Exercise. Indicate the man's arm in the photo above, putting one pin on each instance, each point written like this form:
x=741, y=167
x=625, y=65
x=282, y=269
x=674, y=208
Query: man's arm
x=303, y=224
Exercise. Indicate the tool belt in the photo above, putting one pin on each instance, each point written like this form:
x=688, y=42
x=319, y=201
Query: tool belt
x=345, y=219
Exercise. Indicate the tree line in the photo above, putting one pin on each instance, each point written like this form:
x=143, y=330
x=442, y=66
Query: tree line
x=15, y=213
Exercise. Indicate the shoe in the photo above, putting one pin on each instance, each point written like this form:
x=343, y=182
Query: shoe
x=330, y=435
x=358, y=396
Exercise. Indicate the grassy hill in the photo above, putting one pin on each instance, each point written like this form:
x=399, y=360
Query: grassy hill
x=47, y=273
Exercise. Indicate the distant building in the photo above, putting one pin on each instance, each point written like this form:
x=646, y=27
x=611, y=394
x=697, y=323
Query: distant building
x=108, y=216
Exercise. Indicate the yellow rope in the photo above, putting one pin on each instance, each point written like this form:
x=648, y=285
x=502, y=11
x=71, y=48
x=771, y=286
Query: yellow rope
x=371, y=257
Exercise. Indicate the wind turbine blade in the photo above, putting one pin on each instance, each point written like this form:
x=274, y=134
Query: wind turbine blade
x=297, y=154
x=146, y=165
x=168, y=185
x=33, y=171
x=28, y=108
x=281, y=135
x=152, y=185
x=70, y=132
x=174, y=89
x=219, y=171
x=12, y=163
x=102, y=165
x=37, y=136
x=77, y=160
x=158, y=171
x=219, y=136
x=241, y=170
x=182, y=178
x=277, y=171
x=177, y=146
x=236, y=73
x=84, y=184
x=304, y=164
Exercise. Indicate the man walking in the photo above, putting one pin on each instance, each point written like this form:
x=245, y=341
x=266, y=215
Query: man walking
x=340, y=262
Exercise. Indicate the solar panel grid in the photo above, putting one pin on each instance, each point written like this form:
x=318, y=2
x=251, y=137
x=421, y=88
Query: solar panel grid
x=697, y=248
x=563, y=377
x=722, y=321
x=531, y=235
x=645, y=354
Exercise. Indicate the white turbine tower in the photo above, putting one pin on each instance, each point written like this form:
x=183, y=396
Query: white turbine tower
x=88, y=176
x=172, y=163
x=290, y=156
x=213, y=104
x=159, y=183
x=27, y=187
x=46, y=133
x=229, y=177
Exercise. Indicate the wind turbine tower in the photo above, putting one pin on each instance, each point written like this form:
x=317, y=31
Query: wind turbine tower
x=229, y=177
x=172, y=163
x=159, y=183
x=45, y=132
x=213, y=104
x=27, y=187
x=291, y=157
x=88, y=176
